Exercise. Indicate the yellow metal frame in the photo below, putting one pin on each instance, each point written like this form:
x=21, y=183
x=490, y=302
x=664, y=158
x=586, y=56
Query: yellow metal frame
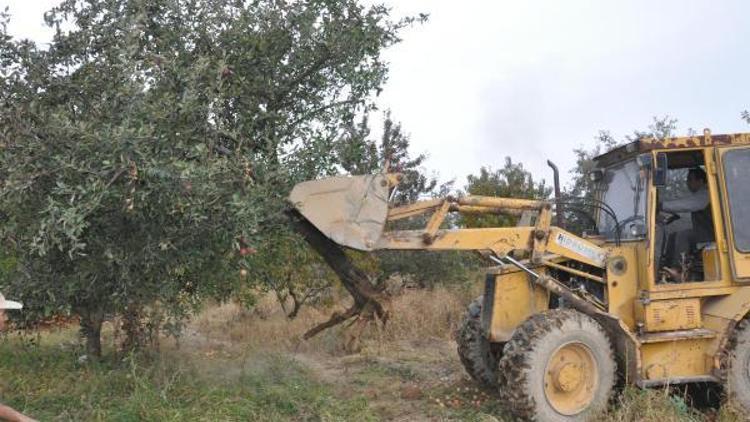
x=716, y=210
x=541, y=240
x=515, y=298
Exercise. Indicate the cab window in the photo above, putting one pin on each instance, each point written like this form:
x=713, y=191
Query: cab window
x=624, y=191
x=736, y=175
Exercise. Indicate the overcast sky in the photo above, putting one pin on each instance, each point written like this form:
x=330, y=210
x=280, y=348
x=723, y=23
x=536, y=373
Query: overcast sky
x=532, y=80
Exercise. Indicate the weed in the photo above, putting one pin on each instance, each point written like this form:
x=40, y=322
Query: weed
x=49, y=383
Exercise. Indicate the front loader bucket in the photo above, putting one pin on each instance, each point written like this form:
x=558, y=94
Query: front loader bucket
x=350, y=210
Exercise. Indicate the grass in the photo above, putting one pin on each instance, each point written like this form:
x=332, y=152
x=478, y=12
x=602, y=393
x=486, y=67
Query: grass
x=235, y=364
x=48, y=382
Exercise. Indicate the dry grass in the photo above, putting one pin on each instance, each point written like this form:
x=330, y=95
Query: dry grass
x=415, y=348
x=400, y=353
x=424, y=314
x=266, y=328
x=414, y=315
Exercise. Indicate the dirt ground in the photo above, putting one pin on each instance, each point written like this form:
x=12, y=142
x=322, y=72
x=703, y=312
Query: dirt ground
x=406, y=373
x=417, y=381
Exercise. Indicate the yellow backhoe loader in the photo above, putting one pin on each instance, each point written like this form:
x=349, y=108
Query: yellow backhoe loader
x=564, y=317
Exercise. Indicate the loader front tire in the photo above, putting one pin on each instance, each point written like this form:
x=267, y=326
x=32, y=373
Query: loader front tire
x=558, y=366
x=478, y=356
x=737, y=367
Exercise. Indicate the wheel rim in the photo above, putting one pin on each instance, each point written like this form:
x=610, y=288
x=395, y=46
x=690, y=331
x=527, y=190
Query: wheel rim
x=571, y=378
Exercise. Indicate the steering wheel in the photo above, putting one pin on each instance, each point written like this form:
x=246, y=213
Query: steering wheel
x=668, y=217
x=632, y=218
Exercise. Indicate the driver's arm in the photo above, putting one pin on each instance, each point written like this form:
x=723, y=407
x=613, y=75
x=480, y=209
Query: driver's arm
x=695, y=201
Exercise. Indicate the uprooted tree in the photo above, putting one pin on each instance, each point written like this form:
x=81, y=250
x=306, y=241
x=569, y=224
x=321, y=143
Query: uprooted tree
x=153, y=140
x=363, y=275
x=363, y=156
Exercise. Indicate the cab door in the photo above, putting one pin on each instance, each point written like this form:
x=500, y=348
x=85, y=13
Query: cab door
x=734, y=171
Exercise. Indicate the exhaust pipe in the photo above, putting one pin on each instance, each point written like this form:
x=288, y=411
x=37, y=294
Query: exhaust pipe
x=558, y=196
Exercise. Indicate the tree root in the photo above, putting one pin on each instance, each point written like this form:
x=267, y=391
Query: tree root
x=336, y=319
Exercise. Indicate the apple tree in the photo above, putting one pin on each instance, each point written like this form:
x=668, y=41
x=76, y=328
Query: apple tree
x=152, y=140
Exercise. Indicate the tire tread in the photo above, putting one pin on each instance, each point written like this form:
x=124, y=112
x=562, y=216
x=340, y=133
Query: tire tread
x=475, y=351
x=514, y=366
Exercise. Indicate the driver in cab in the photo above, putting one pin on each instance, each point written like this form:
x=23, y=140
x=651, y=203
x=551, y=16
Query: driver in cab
x=682, y=242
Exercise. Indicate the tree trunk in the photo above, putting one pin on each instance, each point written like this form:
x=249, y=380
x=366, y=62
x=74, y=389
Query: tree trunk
x=91, y=330
x=367, y=298
x=135, y=335
x=296, y=304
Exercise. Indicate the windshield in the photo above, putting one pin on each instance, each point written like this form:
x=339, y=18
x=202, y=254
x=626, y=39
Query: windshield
x=624, y=190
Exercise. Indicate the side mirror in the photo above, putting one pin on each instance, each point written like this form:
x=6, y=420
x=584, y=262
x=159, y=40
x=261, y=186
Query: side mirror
x=660, y=171
x=645, y=161
x=596, y=175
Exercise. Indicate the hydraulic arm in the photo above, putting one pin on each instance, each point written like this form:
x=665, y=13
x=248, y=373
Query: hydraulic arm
x=353, y=211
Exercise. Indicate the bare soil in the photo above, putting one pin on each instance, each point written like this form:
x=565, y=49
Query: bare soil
x=402, y=377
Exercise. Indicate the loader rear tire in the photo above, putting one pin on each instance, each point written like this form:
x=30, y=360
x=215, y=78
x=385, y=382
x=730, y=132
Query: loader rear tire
x=558, y=366
x=477, y=354
x=737, y=367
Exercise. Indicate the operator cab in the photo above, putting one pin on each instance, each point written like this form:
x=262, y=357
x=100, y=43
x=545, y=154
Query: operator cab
x=682, y=228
